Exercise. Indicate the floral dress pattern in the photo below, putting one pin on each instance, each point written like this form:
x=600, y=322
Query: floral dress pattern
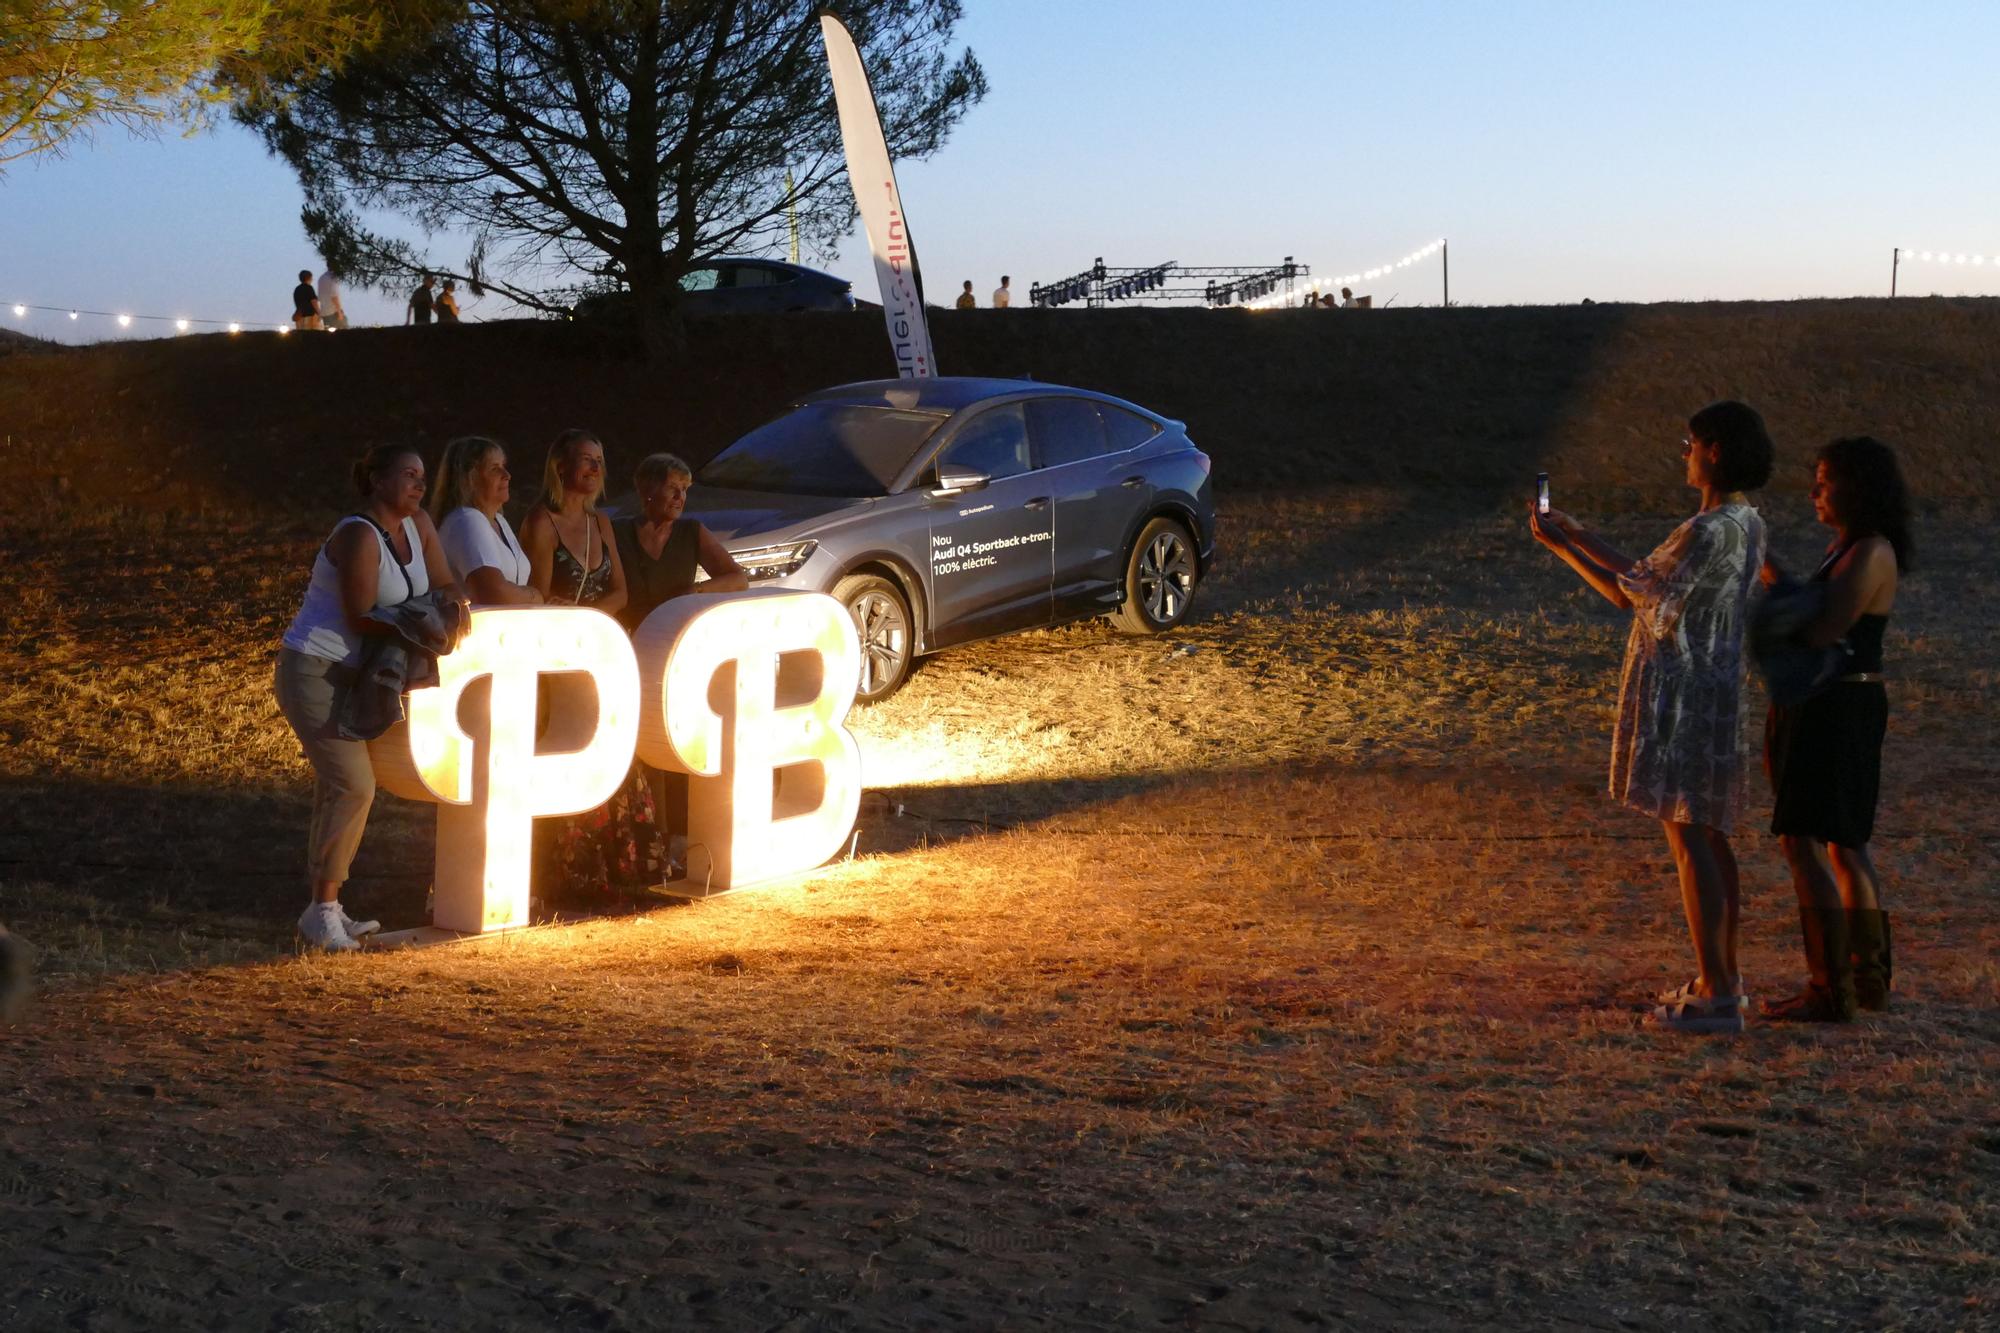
x=1676, y=751
x=607, y=857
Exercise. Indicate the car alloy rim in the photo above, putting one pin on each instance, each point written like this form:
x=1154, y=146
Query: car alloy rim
x=1166, y=577
x=885, y=639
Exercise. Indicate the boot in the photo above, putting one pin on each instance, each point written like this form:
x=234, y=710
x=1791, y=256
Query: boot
x=1829, y=994
x=1868, y=937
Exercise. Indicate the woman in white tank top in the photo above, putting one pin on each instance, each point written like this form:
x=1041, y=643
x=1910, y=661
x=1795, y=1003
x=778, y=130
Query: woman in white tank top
x=472, y=488
x=385, y=553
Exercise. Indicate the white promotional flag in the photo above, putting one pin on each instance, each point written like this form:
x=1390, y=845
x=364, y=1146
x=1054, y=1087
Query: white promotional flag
x=874, y=182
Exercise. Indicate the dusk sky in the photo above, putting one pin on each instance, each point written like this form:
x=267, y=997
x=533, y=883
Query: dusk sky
x=1567, y=150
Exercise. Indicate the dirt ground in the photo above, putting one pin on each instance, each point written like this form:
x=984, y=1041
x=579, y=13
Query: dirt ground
x=1287, y=971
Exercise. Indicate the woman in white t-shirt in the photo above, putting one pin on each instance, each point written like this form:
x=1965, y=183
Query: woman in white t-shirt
x=473, y=484
x=381, y=555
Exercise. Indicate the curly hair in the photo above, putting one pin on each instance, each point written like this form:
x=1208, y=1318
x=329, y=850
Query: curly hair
x=1869, y=496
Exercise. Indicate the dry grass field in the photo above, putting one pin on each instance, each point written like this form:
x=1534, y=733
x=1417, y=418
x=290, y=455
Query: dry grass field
x=1284, y=971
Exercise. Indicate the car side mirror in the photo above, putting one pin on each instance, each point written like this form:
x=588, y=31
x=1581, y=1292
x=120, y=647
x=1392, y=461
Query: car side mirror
x=957, y=481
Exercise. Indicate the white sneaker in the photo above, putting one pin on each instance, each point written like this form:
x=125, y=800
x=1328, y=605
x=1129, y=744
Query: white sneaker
x=356, y=929
x=320, y=927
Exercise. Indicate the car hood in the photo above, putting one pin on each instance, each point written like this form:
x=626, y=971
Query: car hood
x=737, y=516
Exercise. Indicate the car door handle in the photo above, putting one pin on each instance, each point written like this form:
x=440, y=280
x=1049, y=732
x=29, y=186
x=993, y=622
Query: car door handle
x=1133, y=481
x=1039, y=502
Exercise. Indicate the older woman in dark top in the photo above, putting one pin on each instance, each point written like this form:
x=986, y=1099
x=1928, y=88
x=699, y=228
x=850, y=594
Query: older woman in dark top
x=660, y=550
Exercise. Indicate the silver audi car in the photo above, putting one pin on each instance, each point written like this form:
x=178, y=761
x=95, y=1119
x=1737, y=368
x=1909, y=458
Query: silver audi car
x=944, y=510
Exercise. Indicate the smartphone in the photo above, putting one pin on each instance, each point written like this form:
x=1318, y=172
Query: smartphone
x=1541, y=492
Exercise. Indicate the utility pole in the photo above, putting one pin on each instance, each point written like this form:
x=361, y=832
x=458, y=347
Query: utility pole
x=1895, y=257
x=1444, y=249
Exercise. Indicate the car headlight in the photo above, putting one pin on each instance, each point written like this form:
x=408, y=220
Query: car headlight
x=774, y=562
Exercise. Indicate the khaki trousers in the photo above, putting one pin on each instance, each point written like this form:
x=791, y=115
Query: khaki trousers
x=309, y=695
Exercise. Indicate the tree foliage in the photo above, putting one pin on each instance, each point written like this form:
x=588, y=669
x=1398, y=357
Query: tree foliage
x=621, y=141
x=69, y=65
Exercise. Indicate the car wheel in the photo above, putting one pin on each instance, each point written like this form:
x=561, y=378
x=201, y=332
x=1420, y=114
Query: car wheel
x=1159, y=579
x=888, y=638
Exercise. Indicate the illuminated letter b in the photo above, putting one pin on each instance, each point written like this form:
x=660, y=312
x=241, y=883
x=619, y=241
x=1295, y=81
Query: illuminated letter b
x=747, y=692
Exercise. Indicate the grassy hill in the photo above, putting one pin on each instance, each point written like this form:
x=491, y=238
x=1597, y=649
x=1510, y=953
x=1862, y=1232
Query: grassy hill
x=1466, y=404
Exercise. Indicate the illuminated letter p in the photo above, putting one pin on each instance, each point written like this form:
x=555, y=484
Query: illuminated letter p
x=470, y=745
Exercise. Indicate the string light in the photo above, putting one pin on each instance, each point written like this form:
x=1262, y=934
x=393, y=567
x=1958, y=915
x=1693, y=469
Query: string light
x=125, y=320
x=1318, y=285
x=1909, y=256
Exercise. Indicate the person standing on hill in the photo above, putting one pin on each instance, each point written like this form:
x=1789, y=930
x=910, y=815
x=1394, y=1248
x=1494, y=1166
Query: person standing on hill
x=418, y=311
x=1675, y=751
x=447, y=303
x=1003, y=295
x=1825, y=753
x=305, y=302
x=966, y=300
x=332, y=314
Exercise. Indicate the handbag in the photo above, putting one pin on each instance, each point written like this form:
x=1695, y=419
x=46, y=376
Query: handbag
x=1792, y=670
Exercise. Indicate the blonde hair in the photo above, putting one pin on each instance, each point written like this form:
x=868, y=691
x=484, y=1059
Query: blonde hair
x=560, y=451
x=658, y=467
x=454, y=473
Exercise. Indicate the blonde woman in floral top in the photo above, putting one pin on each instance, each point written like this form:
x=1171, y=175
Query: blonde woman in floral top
x=1676, y=752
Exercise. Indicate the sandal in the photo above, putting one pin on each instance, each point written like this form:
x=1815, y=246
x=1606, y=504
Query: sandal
x=1685, y=991
x=1719, y=1016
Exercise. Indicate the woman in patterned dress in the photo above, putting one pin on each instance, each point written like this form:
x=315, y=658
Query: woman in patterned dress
x=608, y=856
x=1676, y=752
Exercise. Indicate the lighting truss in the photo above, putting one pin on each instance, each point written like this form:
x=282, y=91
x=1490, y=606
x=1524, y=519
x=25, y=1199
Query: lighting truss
x=1214, y=285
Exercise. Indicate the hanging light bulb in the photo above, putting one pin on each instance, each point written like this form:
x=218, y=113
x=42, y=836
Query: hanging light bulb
x=124, y=321
x=284, y=329
x=72, y=314
x=180, y=326
x=235, y=327
x=20, y=311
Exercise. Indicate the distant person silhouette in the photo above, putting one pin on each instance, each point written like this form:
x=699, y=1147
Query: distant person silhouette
x=305, y=302
x=1002, y=295
x=447, y=303
x=1347, y=301
x=419, y=309
x=966, y=300
x=332, y=314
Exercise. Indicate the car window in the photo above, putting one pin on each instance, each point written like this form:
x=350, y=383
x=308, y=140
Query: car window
x=824, y=449
x=1065, y=430
x=1126, y=430
x=699, y=280
x=994, y=443
x=751, y=275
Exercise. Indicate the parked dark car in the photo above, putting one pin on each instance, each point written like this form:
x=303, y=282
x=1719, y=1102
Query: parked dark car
x=733, y=286
x=945, y=510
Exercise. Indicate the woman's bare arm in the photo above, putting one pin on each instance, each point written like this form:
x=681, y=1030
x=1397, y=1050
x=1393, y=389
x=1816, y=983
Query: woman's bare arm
x=614, y=597
x=724, y=574
x=1861, y=575
x=489, y=587
x=1602, y=580
x=538, y=543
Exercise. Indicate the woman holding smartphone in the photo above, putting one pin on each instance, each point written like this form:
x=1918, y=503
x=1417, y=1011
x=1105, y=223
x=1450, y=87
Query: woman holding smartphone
x=1825, y=754
x=1675, y=751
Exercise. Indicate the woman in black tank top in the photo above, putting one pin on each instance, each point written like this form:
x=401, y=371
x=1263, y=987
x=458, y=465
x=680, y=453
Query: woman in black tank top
x=660, y=549
x=1825, y=754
